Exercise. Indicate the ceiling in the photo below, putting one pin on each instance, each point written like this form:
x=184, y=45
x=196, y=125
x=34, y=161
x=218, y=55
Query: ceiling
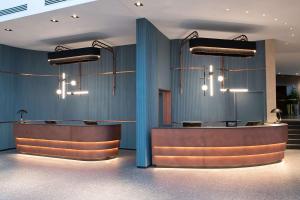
x=113, y=21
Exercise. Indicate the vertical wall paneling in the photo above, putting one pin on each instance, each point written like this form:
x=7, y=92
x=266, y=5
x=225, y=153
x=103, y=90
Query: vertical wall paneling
x=152, y=45
x=8, y=62
x=37, y=94
x=193, y=105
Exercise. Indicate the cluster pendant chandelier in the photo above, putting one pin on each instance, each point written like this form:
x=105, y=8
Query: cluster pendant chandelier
x=210, y=87
x=64, y=55
x=63, y=87
x=237, y=47
x=220, y=79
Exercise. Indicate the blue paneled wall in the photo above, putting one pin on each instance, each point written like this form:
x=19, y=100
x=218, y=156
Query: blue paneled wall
x=8, y=95
x=37, y=94
x=193, y=105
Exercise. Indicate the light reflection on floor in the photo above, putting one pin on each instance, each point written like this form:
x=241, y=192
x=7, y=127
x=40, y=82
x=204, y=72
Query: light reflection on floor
x=35, y=178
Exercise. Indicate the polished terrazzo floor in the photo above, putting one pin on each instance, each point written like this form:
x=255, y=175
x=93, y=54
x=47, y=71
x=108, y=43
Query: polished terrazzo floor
x=24, y=177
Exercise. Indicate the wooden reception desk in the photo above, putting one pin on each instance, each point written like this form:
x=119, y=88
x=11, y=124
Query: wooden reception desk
x=219, y=147
x=67, y=141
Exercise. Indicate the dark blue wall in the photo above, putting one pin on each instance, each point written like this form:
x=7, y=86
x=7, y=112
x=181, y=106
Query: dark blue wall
x=152, y=58
x=193, y=105
x=37, y=94
x=8, y=95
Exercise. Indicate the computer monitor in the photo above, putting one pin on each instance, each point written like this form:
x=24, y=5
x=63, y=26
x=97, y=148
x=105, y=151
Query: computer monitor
x=191, y=124
x=90, y=122
x=254, y=123
x=50, y=122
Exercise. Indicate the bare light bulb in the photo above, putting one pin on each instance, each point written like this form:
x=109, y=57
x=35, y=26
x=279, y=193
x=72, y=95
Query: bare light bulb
x=220, y=78
x=138, y=4
x=73, y=83
x=204, y=87
x=58, y=91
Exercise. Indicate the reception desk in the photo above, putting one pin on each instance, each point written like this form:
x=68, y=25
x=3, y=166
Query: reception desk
x=68, y=141
x=219, y=146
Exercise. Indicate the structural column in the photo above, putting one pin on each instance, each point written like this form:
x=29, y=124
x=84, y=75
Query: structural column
x=150, y=43
x=270, y=60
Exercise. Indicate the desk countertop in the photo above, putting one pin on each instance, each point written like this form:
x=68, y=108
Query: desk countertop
x=224, y=127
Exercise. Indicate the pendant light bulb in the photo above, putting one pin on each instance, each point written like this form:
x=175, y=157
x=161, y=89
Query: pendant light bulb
x=220, y=78
x=204, y=87
x=58, y=91
x=73, y=83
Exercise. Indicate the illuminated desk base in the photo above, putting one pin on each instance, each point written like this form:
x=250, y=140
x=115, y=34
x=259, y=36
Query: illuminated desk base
x=72, y=142
x=218, y=147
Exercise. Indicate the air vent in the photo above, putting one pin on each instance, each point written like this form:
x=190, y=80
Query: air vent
x=50, y=2
x=13, y=10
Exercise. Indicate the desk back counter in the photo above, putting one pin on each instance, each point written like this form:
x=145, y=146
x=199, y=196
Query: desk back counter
x=219, y=146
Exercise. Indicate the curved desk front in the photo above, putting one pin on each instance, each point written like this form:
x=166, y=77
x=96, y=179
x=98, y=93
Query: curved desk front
x=68, y=141
x=219, y=146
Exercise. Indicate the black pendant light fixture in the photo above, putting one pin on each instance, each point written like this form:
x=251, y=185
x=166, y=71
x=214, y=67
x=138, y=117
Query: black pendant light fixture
x=69, y=56
x=222, y=47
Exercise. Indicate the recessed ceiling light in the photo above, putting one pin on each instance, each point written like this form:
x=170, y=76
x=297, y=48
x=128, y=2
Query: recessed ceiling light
x=291, y=28
x=8, y=29
x=263, y=14
x=54, y=20
x=275, y=19
x=227, y=9
x=247, y=11
x=74, y=16
x=138, y=4
x=293, y=35
x=285, y=23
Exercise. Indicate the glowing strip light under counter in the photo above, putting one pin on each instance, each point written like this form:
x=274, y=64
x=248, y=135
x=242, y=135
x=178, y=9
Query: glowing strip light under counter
x=68, y=142
x=218, y=161
x=218, y=151
x=67, y=150
x=230, y=147
x=87, y=155
x=220, y=157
